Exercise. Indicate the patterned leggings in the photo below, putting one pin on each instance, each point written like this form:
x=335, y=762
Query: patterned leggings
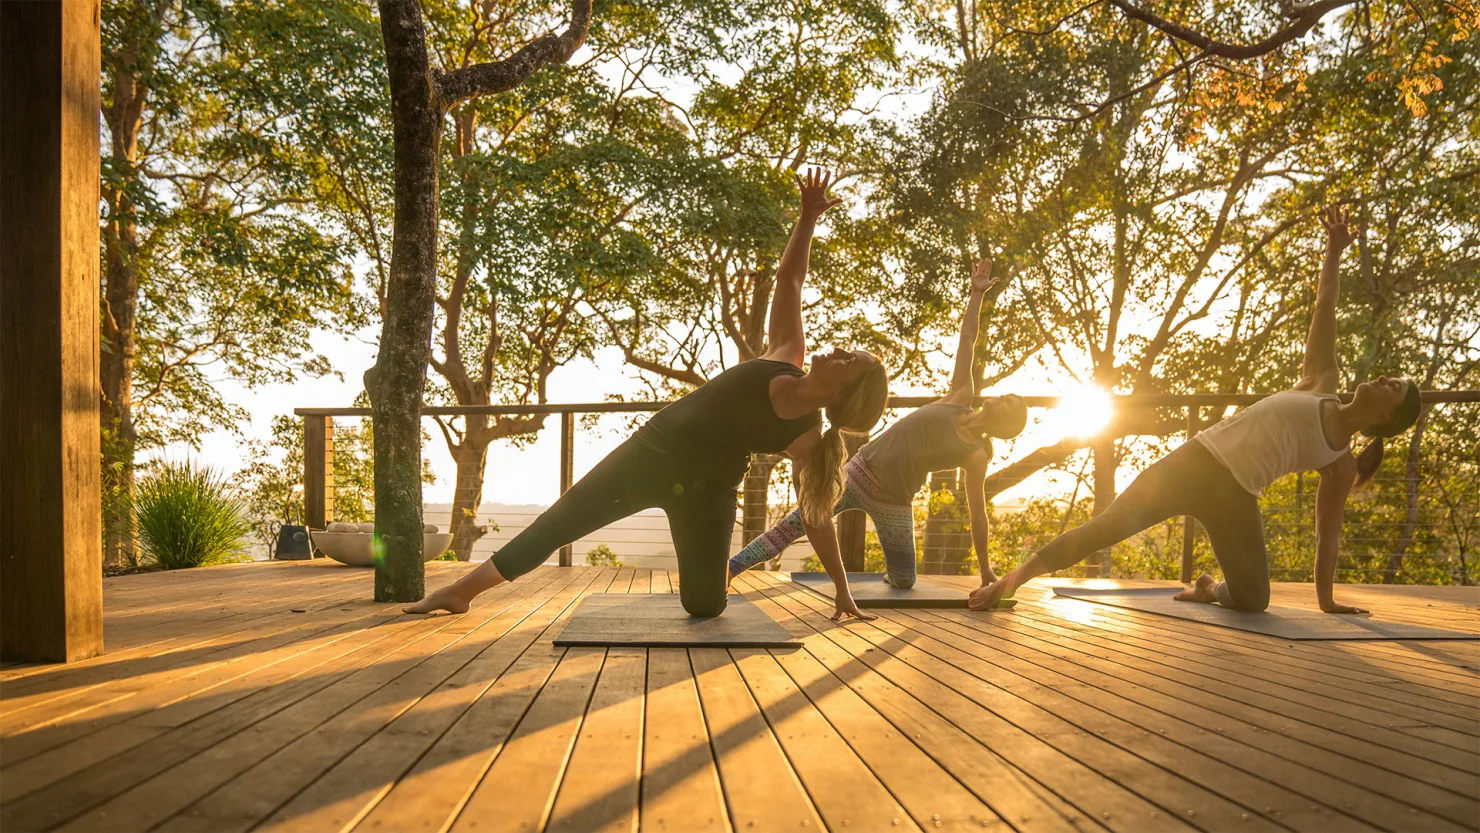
x=894, y=521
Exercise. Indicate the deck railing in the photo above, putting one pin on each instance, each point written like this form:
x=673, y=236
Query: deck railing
x=1174, y=414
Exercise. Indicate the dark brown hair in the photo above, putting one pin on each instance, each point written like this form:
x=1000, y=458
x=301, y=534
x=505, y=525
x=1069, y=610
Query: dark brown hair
x=1403, y=417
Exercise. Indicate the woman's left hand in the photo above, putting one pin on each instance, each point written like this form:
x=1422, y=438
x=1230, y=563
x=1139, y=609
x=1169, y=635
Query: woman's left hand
x=1333, y=607
x=815, y=200
x=844, y=606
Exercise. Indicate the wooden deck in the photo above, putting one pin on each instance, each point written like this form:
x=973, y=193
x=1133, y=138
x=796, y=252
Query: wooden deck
x=275, y=696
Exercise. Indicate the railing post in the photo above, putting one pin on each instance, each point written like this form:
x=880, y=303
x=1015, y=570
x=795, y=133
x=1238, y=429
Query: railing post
x=318, y=471
x=567, y=470
x=1189, y=523
x=946, y=539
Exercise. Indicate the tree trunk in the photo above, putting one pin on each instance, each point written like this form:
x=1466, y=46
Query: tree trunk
x=471, y=456
x=757, y=489
x=1105, y=463
x=124, y=116
x=1410, y=492
x=396, y=381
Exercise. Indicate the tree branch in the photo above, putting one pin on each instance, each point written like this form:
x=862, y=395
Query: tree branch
x=462, y=84
x=1303, y=18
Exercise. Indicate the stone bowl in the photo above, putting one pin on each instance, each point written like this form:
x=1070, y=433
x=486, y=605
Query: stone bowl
x=357, y=549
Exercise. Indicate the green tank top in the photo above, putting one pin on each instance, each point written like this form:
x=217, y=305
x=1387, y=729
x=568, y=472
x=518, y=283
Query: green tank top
x=925, y=441
x=711, y=433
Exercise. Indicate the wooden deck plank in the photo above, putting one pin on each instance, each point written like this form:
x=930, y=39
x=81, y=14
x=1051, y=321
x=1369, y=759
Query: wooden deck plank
x=661, y=583
x=1268, y=728
x=434, y=790
x=680, y=780
x=760, y=787
x=1302, y=660
x=1094, y=795
x=157, y=779
x=844, y=790
x=600, y=790
x=1173, y=743
x=1375, y=732
x=218, y=709
x=319, y=745
x=519, y=789
x=1372, y=702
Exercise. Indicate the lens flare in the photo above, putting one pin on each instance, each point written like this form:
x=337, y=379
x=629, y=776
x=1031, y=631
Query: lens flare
x=1083, y=411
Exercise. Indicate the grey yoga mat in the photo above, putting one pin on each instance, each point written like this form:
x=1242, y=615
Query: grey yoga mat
x=870, y=590
x=658, y=620
x=1282, y=622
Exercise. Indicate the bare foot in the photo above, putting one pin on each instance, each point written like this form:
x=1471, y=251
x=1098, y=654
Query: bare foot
x=989, y=596
x=444, y=599
x=1202, y=591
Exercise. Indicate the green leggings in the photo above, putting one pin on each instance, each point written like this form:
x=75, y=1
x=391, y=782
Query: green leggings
x=634, y=477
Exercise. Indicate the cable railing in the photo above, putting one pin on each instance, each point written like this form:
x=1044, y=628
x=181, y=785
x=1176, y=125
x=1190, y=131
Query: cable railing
x=1427, y=531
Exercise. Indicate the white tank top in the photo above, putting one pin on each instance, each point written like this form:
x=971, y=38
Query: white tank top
x=1276, y=436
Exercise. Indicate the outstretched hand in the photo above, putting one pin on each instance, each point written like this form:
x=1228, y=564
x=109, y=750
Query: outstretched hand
x=1340, y=231
x=981, y=275
x=815, y=201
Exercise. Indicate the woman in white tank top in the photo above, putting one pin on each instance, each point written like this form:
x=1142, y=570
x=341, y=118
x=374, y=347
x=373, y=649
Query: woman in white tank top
x=1217, y=478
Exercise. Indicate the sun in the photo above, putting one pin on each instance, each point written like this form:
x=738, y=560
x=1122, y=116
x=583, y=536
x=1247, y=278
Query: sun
x=1083, y=411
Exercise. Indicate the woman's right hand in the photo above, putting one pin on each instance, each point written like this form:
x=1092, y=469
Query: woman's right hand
x=815, y=201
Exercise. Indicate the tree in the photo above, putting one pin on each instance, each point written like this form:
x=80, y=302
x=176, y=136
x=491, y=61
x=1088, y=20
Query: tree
x=420, y=97
x=210, y=264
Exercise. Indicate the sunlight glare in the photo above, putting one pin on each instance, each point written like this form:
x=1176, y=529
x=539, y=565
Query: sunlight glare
x=1083, y=411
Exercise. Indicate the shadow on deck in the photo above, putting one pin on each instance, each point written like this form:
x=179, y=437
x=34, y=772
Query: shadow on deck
x=274, y=696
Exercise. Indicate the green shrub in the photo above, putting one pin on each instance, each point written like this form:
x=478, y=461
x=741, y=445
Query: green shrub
x=186, y=517
x=602, y=556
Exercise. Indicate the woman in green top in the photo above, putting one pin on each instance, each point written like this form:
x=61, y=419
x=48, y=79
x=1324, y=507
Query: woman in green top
x=691, y=456
x=884, y=475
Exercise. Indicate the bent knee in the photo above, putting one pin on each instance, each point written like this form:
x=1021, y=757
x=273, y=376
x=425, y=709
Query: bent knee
x=705, y=608
x=1249, y=601
x=902, y=582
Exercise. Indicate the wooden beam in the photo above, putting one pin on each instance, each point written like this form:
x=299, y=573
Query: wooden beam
x=1189, y=523
x=318, y=471
x=567, y=471
x=51, y=559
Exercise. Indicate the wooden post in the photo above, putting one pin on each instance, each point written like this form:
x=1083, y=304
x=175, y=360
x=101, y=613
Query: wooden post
x=851, y=525
x=946, y=539
x=1103, y=449
x=318, y=471
x=567, y=471
x=51, y=557
x=1189, y=523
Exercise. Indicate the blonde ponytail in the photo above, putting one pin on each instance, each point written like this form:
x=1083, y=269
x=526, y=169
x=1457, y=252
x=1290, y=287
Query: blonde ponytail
x=820, y=480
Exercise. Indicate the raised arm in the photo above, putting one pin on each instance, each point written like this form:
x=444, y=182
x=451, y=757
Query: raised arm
x=1336, y=483
x=963, y=381
x=787, y=342
x=1321, y=372
x=976, y=504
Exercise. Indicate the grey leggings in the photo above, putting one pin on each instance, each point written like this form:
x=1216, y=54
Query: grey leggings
x=1189, y=481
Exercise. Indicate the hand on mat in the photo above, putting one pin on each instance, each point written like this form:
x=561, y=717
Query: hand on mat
x=815, y=201
x=988, y=596
x=1333, y=607
x=845, y=607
